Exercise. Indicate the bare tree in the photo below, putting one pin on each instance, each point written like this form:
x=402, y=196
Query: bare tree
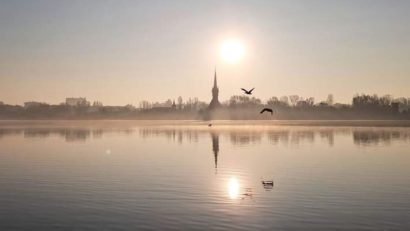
x=180, y=102
x=329, y=99
x=310, y=101
x=294, y=99
x=284, y=100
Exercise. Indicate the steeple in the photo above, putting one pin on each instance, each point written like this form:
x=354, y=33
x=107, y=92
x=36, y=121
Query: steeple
x=215, y=84
x=215, y=92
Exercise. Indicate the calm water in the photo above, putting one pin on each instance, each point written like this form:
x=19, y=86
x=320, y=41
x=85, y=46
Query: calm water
x=125, y=176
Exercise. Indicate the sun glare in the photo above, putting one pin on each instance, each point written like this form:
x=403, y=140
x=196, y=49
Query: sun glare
x=231, y=50
x=233, y=188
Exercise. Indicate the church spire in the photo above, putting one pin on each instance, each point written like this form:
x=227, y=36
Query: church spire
x=215, y=84
x=214, y=102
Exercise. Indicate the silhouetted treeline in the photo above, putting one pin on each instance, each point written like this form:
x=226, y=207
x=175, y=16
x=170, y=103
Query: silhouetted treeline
x=63, y=111
x=292, y=107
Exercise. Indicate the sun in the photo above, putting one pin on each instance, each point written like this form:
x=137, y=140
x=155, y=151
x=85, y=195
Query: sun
x=231, y=50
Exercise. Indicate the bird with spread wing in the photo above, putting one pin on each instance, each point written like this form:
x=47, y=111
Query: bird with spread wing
x=247, y=92
x=267, y=110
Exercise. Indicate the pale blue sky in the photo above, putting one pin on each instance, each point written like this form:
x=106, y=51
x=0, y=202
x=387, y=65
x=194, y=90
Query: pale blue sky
x=121, y=52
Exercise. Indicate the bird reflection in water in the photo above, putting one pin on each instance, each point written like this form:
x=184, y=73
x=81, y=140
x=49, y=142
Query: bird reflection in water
x=267, y=184
x=247, y=194
x=235, y=192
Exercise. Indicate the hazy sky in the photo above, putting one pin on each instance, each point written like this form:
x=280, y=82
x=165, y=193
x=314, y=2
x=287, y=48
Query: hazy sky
x=122, y=52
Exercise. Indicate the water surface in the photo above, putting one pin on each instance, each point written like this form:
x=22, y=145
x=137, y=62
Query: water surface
x=130, y=176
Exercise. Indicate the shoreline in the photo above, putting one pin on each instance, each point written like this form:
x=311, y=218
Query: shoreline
x=325, y=123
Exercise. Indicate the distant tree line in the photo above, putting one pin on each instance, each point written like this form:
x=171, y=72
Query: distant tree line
x=363, y=106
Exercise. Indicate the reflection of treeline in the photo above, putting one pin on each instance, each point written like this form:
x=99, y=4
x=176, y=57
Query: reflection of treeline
x=278, y=136
x=172, y=134
x=238, y=107
x=380, y=136
x=236, y=137
x=69, y=134
x=240, y=137
x=285, y=136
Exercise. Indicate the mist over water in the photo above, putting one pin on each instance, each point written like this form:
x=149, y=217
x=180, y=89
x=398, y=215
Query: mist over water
x=129, y=176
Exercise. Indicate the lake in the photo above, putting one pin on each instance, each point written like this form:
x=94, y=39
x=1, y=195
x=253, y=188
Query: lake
x=126, y=175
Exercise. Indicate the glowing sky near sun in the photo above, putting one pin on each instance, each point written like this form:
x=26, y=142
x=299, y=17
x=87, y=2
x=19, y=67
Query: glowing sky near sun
x=231, y=50
x=122, y=52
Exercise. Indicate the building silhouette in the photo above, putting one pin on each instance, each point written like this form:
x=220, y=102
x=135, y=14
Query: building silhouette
x=32, y=104
x=215, y=92
x=77, y=101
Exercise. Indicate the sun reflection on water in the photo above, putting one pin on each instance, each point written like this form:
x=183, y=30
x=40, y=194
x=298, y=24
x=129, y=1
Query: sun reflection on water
x=233, y=188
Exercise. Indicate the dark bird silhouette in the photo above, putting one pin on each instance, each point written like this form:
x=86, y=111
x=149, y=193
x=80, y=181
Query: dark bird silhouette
x=248, y=92
x=268, y=110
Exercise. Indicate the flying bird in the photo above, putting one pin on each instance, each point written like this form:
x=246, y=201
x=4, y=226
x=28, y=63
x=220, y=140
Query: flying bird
x=268, y=110
x=247, y=92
